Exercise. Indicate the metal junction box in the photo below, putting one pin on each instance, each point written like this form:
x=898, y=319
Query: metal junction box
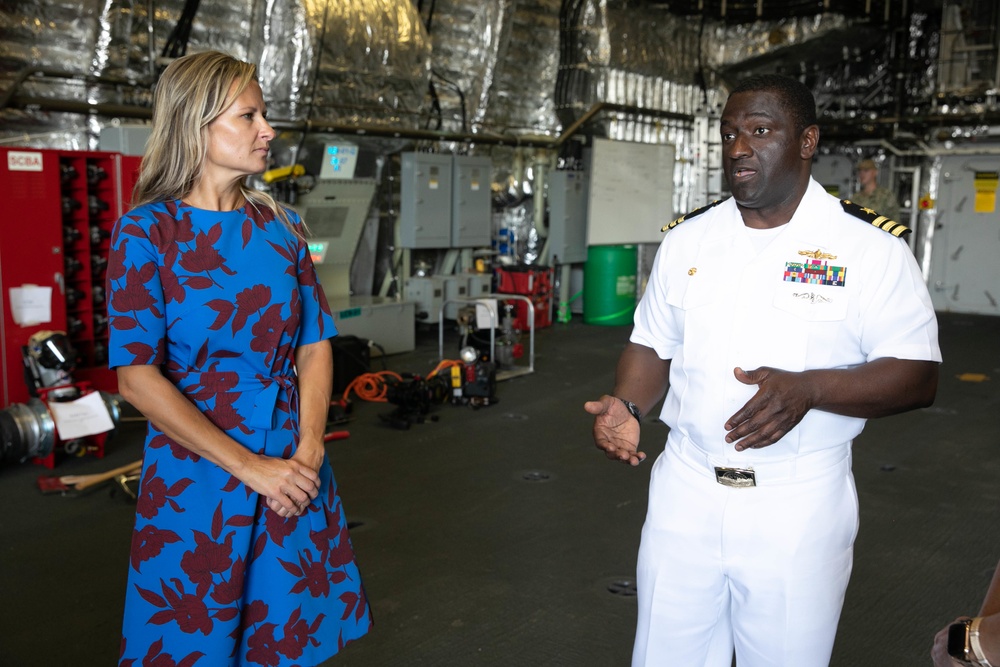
x=425, y=200
x=471, y=210
x=480, y=285
x=567, y=194
x=455, y=287
x=427, y=292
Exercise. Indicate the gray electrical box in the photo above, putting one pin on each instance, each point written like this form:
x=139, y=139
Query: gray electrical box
x=455, y=287
x=471, y=210
x=480, y=285
x=425, y=201
x=567, y=193
x=427, y=292
x=124, y=139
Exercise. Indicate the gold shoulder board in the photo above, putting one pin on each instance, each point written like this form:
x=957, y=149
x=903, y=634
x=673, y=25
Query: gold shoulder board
x=687, y=216
x=873, y=218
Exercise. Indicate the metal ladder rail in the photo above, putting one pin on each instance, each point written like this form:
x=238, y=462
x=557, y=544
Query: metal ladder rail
x=493, y=321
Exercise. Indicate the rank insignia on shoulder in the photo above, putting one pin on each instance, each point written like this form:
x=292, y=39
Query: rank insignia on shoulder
x=873, y=218
x=687, y=216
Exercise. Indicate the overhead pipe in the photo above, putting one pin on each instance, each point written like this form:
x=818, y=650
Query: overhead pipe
x=76, y=106
x=845, y=127
x=25, y=73
x=620, y=108
x=336, y=127
x=856, y=127
x=10, y=98
x=924, y=150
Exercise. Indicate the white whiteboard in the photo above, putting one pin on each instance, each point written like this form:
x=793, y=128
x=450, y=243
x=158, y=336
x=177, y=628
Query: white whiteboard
x=631, y=192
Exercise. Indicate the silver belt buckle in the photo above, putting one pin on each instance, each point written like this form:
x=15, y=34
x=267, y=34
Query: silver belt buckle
x=738, y=478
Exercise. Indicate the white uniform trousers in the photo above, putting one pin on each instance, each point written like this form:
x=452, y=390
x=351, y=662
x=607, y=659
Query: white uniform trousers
x=762, y=570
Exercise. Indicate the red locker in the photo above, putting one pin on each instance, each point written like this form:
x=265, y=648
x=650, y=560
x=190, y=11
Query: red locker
x=61, y=207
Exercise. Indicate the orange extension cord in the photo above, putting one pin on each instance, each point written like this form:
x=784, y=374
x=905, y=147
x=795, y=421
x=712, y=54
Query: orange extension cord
x=374, y=386
x=370, y=386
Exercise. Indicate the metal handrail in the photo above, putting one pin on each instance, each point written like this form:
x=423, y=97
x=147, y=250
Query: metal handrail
x=493, y=320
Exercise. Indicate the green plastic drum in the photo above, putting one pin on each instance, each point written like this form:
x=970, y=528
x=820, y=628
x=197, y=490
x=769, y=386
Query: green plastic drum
x=609, y=284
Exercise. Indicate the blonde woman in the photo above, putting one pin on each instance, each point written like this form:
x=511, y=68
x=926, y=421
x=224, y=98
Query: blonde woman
x=219, y=334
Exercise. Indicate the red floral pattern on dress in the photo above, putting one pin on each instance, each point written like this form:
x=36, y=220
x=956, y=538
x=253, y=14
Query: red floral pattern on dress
x=229, y=590
x=212, y=383
x=207, y=560
x=172, y=228
x=148, y=543
x=156, y=658
x=154, y=494
x=311, y=575
x=298, y=633
x=173, y=291
x=187, y=610
x=250, y=302
x=116, y=261
x=133, y=298
x=267, y=333
x=145, y=354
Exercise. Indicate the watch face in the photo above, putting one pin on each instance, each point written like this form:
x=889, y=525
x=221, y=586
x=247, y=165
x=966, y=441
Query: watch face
x=958, y=640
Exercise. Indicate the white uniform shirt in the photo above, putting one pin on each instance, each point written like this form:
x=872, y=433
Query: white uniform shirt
x=713, y=302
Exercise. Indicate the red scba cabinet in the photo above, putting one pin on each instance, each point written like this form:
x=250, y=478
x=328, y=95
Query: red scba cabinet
x=60, y=209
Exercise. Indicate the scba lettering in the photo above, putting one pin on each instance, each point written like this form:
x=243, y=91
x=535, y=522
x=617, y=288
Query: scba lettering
x=22, y=161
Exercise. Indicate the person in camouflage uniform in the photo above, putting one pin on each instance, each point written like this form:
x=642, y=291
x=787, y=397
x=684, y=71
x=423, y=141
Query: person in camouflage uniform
x=872, y=195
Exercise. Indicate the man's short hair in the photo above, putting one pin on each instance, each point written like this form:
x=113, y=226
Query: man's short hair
x=799, y=99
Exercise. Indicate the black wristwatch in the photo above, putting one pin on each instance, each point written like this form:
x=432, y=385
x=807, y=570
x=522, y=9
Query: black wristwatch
x=633, y=409
x=962, y=642
x=958, y=641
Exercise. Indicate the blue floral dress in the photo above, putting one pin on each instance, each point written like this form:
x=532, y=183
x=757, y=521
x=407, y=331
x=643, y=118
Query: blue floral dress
x=220, y=301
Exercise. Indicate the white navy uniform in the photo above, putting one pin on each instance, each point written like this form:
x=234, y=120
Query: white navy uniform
x=766, y=567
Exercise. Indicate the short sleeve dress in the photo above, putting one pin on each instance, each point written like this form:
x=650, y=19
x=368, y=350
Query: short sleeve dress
x=220, y=301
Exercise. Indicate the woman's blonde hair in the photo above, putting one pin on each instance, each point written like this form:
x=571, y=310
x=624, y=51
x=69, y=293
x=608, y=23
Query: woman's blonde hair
x=193, y=91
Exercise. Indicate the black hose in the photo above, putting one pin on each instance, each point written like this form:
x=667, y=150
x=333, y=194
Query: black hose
x=176, y=45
